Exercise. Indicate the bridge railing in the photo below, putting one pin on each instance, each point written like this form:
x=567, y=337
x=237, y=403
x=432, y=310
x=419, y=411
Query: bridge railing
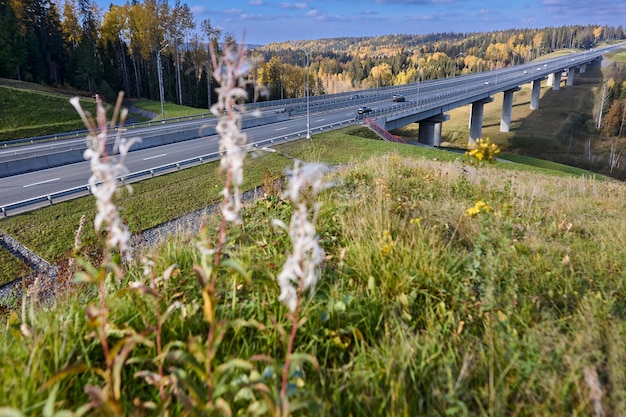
x=388, y=136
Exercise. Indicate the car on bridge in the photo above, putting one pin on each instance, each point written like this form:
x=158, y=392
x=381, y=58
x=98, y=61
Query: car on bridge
x=398, y=98
x=364, y=110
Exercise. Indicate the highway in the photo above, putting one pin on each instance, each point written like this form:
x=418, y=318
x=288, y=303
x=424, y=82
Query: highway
x=22, y=187
x=326, y=112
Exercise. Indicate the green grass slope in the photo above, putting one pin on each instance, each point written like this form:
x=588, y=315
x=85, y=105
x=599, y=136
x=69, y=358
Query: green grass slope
x=446, y=289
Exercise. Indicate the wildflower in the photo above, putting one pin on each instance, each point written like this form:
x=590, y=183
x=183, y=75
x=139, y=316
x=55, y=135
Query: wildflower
x=483, y=152
x=302, y=266
x=479, y=207
x=386, y=243
x=105, y=171
x=230, y=74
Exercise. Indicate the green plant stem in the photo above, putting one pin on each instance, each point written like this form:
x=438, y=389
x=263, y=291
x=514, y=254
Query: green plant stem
x=292, y=337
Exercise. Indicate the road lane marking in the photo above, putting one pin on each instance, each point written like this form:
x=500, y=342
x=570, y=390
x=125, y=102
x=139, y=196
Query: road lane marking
x=40, y=182
x=281, y=128
x=155, y=156
x=321, y=120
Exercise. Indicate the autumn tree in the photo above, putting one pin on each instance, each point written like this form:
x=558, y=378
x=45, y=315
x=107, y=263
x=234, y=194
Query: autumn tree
x=213, y=36
x=13, y=54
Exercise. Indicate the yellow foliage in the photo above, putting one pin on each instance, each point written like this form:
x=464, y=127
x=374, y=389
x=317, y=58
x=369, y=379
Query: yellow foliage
x=597, y=32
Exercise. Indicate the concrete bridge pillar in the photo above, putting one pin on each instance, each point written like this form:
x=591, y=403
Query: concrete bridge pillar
x=534, y=95
x=430, y=130
x=507, y=109
x=476, y=120
x=582, y=68
x=557, y=80
x=570, y=76
x=550, y=81
x=438, y=127
x=426, y=133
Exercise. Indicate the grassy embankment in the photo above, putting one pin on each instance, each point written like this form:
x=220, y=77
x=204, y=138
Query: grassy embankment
x=28, y=110
x=424, y=307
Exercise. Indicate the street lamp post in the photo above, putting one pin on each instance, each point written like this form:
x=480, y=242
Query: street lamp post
x=159, y=69
x=306, y=91
x=419, y=76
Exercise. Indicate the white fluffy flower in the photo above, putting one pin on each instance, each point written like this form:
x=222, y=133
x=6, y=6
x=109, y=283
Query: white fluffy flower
x=106, y=169
x=301, y=271
x=230, y=74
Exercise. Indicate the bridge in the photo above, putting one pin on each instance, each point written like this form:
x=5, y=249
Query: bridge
x=428, y=101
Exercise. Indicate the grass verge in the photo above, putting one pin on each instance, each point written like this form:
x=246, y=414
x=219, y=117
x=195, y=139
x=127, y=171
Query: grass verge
x=49, y=231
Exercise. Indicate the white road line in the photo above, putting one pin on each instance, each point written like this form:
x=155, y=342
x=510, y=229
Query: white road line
x=156, y=156
x=280, y=128
x=40, y=182
x=321, y=120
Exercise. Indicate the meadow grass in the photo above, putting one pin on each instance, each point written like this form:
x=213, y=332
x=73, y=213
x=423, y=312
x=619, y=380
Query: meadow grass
x=49, y=231
x=51, y=113
x=421, y=309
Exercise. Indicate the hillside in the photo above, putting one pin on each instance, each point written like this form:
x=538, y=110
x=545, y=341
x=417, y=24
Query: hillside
x=443, y=287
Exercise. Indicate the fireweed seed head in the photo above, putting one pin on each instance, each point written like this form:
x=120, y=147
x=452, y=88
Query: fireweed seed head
x=301, y=271
x=106, y=169
x=230, y=73
x=308, y=177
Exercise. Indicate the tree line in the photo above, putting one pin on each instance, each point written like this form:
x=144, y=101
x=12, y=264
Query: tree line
x=105, y=51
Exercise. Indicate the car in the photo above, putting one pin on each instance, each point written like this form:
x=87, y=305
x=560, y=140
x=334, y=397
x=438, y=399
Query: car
x=486, y=82
x=398, y=98
x=355, y=96
x=364, y=109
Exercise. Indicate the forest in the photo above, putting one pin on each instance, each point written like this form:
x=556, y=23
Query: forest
x=77, y=45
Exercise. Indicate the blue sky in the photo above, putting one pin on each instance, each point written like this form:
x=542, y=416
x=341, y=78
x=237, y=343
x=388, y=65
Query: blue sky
x=266, y=21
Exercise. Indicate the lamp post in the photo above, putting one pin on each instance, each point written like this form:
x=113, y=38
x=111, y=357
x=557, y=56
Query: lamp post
x=419, y=76
x=306, y=91
x=159, y=69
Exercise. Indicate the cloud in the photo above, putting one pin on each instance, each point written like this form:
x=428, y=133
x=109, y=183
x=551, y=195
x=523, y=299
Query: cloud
x=294, y=5
x=233, y=11
x=368, y=12
x=262, y=17
x=411, y=2
x=197, y=10
x=255, y=3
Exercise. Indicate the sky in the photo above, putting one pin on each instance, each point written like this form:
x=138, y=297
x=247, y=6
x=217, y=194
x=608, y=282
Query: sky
x=266, y=21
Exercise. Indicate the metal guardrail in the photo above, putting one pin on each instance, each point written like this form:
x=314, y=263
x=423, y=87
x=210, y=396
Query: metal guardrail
x=71, y=193
x=84, y=132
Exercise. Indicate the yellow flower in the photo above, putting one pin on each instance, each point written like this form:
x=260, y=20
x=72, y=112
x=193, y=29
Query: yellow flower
x=479, y=207
x=386, y=243
x=482, y=151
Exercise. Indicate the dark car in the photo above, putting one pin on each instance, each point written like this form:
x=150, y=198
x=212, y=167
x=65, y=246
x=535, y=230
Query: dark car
x=355, y=96
x=398, y=98
x=364, y=109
